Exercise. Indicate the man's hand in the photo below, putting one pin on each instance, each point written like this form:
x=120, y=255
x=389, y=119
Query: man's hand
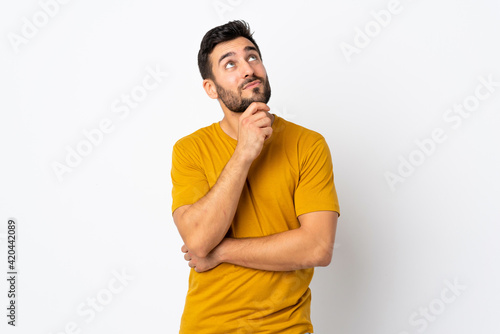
x=253, y=129
x=201, y=264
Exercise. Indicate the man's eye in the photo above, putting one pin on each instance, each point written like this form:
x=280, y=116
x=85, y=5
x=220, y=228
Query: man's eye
x=252, y=58
x=230, y=64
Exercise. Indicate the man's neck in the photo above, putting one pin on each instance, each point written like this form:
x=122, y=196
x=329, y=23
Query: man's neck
x=229, y=124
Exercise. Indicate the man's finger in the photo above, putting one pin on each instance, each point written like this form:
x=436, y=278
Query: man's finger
x=263, y=122
x=184, y=249
x=267, y=132
x=255, y=107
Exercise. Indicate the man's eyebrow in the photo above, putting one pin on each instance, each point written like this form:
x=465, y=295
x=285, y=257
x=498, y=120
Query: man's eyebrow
x=251, y=48
x=231, y=53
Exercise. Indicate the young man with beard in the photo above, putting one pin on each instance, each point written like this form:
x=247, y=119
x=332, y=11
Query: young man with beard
x=253, y=199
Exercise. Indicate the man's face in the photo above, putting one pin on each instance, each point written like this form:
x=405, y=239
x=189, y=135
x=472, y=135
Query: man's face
x=240, y=76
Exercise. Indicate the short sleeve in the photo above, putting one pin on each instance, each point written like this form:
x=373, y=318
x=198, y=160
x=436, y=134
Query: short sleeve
x=189, y=182
x=316, y=189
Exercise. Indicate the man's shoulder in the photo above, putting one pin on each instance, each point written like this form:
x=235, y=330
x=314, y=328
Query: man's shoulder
x=299, y=132
x=195, y=138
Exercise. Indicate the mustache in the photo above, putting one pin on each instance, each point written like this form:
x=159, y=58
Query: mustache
x=251, y=79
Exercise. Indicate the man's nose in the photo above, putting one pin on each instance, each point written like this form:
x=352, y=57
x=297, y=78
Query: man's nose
x=246, y=69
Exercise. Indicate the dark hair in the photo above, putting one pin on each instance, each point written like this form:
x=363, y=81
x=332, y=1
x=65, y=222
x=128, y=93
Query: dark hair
x=220, y=34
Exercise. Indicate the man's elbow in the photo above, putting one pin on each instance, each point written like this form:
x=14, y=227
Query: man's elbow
x=198, y=248
x=188, y=229
x=202, y=252
x=324, y=257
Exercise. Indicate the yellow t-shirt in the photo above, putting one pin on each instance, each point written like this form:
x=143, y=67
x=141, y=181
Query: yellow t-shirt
x=292, y=175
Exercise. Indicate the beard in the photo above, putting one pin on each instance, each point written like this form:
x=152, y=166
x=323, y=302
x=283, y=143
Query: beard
x=233, y=100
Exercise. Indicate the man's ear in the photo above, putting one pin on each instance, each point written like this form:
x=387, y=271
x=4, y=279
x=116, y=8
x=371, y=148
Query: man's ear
x=209, y=87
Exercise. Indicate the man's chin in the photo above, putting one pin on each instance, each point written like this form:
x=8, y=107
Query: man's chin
x=246, y=103
x=258, y=96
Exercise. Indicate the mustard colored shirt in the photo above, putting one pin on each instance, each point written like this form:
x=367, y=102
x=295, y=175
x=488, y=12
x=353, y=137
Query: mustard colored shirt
x=292, y=175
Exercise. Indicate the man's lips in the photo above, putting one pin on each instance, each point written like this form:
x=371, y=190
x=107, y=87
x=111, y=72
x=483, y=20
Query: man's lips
x=252, y=84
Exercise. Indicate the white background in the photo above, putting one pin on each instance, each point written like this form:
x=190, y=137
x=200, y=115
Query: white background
x=397, y=249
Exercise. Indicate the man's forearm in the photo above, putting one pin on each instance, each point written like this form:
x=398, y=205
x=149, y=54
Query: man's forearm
x=286, y=251
x=205, y=223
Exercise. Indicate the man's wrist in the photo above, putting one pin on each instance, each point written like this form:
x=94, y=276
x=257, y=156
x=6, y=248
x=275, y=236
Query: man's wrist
x=221, y=251
x=241, y=158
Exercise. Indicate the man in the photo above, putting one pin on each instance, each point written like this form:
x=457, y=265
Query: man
x=253, y=199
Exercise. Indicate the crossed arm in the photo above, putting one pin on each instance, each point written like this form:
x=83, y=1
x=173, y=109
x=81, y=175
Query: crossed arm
x=310, y=245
